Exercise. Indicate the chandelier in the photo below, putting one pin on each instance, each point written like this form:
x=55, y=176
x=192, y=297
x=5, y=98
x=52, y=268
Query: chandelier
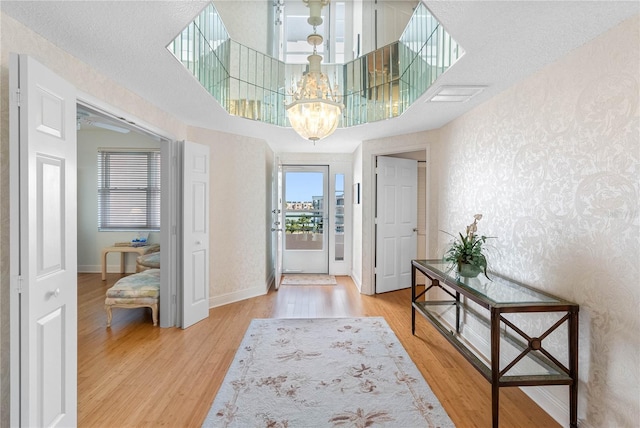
x=316, y=107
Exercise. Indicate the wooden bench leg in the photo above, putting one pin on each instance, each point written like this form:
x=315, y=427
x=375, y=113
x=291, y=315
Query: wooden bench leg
x=154, y=313
x=109, y=315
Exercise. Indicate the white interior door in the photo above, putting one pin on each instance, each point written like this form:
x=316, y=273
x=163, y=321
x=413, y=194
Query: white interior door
x=306, y=223
x=397, y=222
x=278, y=224
x=43, y=246
x=195, y=265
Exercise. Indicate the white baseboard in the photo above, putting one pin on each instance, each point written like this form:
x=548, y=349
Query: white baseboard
x=550, y=402
x=236, y=296
x=271, y=281
x=541, y=395
x=128, y=268
x=357, y=281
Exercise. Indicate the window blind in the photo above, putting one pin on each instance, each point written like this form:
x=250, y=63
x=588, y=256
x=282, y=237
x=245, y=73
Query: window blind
x=128, y=190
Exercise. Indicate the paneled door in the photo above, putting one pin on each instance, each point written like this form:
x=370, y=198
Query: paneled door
x=195, y=215
x=278, y=223
x=397, y=222
x=305, y=208
x=43, y=246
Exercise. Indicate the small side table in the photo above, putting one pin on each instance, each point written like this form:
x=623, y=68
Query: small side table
x=122, y=250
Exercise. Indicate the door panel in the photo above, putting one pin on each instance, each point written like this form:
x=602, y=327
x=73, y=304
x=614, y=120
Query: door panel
x=305, y=208
x=397, y=221
x=278, y=224
x=43, y=246
x=196, y=233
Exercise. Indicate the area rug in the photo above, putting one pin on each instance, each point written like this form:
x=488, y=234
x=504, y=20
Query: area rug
x=333, y=372
x=308, y=279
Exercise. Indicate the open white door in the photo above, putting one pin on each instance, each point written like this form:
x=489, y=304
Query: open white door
x=397, y=222
x=278, y=224
x=43, y=246
x=195, y=216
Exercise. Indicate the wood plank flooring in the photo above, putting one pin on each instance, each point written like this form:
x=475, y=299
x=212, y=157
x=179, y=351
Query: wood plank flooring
x=137, y=375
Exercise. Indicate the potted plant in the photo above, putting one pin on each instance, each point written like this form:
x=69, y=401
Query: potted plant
x=465, y=252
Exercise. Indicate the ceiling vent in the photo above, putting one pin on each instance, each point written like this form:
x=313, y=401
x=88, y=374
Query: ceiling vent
x=456, y=94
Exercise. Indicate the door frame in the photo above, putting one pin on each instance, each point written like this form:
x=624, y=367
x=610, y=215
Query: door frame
x=380, y=271
x=327, y=239
x=170, y=313
x=341, y=163
x=370, y=266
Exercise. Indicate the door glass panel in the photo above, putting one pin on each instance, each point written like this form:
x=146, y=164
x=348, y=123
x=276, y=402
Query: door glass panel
x=339, y=217
x=304, y=210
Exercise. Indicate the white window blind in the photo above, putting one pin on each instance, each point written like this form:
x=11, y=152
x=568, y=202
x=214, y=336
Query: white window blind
x=128, y=189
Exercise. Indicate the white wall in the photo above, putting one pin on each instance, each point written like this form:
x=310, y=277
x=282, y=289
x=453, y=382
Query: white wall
x=240, y=15
x=270, y=192
x=553, y=164
x=239, y=224
x=392, y=18
x=90, y=240
x=15, y=37
x=356, y=236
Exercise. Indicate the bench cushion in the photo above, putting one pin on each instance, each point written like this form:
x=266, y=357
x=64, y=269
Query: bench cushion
x=143, y=284
x=151, y=260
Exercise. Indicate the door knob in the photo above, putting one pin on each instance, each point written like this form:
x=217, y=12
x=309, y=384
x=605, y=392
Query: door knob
x=276, y=230
x=415, y=229
x=54, y=293
x=198, y=242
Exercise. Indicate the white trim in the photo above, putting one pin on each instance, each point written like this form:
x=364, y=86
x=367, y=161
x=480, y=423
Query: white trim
x=357, y=281
x=549, y=403
x=169, y=206
x=369, y=196
x=171, y=235
x=14, y=242
x=119, y=115
x=340, y=163
x=271, y=281
x=237, y=296
x=541, y=395
x=429, y=204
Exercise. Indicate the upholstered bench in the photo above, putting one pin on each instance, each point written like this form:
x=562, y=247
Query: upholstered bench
x=135, y=291
x=148, y=261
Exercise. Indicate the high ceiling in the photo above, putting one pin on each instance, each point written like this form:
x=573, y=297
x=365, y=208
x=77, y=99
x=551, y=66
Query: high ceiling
x=505, y=41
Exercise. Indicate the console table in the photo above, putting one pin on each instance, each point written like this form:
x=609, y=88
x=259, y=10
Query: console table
x=486, y=320
x=122, y=250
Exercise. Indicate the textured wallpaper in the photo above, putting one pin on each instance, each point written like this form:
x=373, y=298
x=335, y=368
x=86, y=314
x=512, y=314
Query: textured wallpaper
x=554, y=165
x=17, y=38
x=238, y=219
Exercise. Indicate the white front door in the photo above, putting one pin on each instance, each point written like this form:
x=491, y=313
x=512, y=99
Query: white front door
x=397, y=222
x=43, y=246
x=195, y=215
x=305, y=208
x=278, y=224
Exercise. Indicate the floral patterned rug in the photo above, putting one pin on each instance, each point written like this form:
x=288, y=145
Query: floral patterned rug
x=308, y=279
x=348, y=372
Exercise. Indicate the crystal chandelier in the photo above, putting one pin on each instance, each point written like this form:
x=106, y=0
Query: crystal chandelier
x=316, y=107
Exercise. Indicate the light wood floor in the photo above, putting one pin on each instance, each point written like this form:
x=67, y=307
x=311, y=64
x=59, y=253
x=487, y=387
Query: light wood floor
x=136, y=375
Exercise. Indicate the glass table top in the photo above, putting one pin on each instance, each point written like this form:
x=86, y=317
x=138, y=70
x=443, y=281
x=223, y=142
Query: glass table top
x=497, y=289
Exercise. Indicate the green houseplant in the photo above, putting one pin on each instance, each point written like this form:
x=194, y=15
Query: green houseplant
x=465, y=251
